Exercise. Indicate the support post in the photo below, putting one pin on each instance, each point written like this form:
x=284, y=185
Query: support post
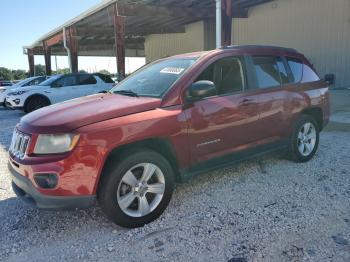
x=226, y=16
x=47, y=57
x=72, y=43
x=30, y=55
x=218, y=23
x=119, y=37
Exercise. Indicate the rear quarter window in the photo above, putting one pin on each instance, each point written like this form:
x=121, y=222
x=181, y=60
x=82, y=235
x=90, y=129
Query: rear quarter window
x=302, y=73
x=309, y=75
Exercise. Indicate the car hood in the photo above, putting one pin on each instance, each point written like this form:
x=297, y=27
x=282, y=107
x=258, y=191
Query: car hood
x=26, y=88
x=72, y=114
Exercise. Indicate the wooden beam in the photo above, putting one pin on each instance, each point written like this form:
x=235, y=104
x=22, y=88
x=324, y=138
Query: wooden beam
x=30, y=55
x=131, y=30
x=153, y=10
x=56, y=39
x=72, y=43
x=119, y=36
x=47, y=57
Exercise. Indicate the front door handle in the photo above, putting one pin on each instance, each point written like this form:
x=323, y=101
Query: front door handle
x=246, y=102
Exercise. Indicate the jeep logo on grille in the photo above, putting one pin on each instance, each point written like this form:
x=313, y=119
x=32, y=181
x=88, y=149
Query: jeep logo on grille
x=19, y=144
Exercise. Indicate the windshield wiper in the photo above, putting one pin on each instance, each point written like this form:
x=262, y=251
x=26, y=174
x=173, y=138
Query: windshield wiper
x=126, y=93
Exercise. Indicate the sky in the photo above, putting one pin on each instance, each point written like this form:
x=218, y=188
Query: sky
x=22, y=22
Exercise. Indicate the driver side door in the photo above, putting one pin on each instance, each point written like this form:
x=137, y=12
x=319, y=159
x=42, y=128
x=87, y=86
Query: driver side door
x=226, y=122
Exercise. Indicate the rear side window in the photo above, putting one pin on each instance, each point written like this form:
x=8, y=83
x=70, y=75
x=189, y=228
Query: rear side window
x=296, y=66
x=105, y=78
x=69, y=80
x=283, y=71
x=267, y=71
x=86, y=80
x=309, y=75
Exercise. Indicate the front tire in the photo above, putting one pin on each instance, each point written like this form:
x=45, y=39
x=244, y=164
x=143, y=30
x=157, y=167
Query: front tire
x=136, y=190
x=305, y=139
x=35, y=103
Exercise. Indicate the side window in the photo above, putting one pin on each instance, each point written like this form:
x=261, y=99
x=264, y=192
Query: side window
x=296, y=66
x=267, y=71
x=86, y=80
x=309, y=75
x=36, y=81
x=70, y=80
x=227, y=75
x=283, y=71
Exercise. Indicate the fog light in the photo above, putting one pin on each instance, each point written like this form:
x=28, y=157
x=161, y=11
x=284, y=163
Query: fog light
x=17, y=101
x=48, y=181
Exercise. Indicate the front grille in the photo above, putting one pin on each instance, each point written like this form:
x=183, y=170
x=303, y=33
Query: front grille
x=19, y=144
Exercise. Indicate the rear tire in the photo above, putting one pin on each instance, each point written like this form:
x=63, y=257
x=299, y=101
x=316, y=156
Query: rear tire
x=35, y=103
x=304, y=140
x=136, y=190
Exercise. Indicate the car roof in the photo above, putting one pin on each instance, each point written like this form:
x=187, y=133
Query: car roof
x=268, y=49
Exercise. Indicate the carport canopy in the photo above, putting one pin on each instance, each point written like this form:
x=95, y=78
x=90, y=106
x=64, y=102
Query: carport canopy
x=118, y=28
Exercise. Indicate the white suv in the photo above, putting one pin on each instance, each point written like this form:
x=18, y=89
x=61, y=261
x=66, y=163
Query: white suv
x=57, y=89
x=31, y=81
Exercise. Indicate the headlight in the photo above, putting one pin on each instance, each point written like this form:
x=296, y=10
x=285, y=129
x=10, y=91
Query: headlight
x=54, y=144
x=18, y=93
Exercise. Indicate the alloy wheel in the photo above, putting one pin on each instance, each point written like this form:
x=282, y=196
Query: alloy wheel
x=307, y=139
x=141, y=189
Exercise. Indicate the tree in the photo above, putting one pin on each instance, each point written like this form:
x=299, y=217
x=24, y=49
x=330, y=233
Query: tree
x=19, y=74
x=105, y=72
x=61, y=71
x=40, y=70
x=5, y=74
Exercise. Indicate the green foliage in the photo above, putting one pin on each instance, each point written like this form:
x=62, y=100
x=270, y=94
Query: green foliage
x=61, y=71
x=105, y=72
x=5, y=73
x=19, y=74
x=40, y=70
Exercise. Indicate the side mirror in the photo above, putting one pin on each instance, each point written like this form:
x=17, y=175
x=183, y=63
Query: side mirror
x=201, y=89
x=330, y=79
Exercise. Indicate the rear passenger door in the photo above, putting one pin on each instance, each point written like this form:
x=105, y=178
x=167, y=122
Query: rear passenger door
x=87, y=85
x=272, y=81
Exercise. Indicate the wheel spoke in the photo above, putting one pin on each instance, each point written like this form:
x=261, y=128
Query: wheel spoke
x=157, y=188
x=308, y=148
x=300, y=135
x=130, y=179
x=126, y=201
x=148, y=171
x=307, y=128
x=144, y=207
x=301, y=147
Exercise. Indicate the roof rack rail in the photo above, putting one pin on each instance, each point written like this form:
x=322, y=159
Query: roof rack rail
x=261, y=46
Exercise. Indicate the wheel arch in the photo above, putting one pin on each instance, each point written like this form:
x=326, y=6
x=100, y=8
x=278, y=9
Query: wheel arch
x=160, y=145
x=35, y=95
x=316, y=113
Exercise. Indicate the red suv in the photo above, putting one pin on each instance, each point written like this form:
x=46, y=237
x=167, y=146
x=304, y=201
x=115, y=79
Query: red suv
x=170, y=120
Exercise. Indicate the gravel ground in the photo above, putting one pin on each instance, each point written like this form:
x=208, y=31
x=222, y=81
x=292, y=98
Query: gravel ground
x=262, y=210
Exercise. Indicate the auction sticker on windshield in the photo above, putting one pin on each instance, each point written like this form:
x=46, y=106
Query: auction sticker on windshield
x=172, y=70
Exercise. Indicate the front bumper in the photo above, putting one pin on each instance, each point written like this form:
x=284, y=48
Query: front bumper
x=13, y=102
x=25, y=190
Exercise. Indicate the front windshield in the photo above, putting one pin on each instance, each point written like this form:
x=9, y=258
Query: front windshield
x=22, y=82
x=49, y=81
x=155, y=79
